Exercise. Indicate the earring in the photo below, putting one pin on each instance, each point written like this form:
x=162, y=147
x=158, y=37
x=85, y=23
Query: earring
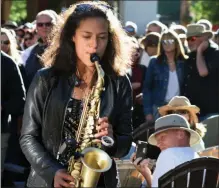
x=77, y=81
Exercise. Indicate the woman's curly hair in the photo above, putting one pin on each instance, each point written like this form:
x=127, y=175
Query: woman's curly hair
x=61, y=52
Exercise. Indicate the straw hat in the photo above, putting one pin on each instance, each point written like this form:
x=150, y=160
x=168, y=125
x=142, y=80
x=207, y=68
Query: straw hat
x=180, y=103
x=170, y=122
x=198, y=30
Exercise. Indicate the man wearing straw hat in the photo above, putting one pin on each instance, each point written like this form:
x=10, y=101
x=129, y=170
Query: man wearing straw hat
x=201, y=70
x=174, y=137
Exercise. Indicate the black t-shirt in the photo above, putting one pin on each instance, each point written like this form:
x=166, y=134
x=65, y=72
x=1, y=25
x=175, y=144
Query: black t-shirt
x=203, y=91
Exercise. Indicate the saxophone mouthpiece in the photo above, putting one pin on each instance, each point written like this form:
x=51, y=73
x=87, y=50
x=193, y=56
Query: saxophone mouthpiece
x=94, y=57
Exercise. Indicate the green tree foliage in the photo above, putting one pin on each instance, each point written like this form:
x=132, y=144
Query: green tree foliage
x=205, y=10
x=18, y=11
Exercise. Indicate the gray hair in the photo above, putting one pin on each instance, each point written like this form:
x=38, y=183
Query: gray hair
x=159, y=24
x=50, y=13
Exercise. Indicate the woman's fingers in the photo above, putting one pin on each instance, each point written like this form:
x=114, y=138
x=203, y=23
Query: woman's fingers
x=100, y=134
x=68, y=177
x=101, y=120
x=102, y=126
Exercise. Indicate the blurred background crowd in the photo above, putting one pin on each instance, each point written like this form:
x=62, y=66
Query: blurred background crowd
x=176, y=34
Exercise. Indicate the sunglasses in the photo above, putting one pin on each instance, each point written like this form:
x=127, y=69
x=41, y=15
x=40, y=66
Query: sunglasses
x=192, y=39
x=168, y=41
x=177, y=112
x=46, y=24
x=5, y=42
x=129, y=29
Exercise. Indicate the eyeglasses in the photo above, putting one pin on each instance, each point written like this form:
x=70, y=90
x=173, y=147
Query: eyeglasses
x=168, y=41
x=5, y=42
x=46, y=24
x=192, y=39
x=177, y=112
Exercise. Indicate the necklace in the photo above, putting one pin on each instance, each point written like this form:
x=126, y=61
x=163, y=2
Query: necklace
x=84, y=87
x=82, y=81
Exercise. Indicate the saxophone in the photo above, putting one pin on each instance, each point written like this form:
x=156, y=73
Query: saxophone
x=92, y=160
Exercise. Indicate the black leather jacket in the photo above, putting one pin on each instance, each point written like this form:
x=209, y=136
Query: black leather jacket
x=44, y=116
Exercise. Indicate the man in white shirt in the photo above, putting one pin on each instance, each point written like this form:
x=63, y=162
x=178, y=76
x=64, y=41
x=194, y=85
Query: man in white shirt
x=174, y=137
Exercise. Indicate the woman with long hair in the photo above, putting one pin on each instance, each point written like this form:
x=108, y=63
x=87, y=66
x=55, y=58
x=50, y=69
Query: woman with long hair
x=57, y=95
x=9, y=44
x=164, y=75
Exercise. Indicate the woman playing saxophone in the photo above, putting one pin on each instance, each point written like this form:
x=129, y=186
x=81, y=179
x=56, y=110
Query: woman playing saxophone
x=58, y=95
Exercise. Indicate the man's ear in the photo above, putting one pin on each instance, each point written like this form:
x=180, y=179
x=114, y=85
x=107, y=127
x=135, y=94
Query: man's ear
x=73, y=38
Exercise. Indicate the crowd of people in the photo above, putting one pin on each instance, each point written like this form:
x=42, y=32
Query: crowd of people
x=173, y=73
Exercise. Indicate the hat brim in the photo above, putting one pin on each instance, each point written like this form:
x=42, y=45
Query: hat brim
x=182, y=36
x=206, y=33
x=194, y=136
x=193, y=110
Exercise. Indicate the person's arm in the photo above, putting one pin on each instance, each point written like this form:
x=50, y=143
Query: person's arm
x=147, y=89
x=143, y=167
x=200, y=60
x=122, y=126
x=31, y=134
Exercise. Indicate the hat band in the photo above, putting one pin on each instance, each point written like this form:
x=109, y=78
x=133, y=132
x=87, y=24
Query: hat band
x=170, y=126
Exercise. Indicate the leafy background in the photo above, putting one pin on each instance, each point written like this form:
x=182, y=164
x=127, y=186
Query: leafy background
x=208, y=9
x=18, y=11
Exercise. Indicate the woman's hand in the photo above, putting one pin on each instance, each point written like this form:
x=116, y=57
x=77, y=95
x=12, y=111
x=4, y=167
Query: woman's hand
x=63, y=179
x=104, y=128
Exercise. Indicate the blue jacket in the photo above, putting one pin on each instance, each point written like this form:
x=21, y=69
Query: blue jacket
x=156, y=82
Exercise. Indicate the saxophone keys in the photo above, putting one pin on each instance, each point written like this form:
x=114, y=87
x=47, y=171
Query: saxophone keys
x=88, y=131
x=90, y=127
x=77, y=166
x=86, y=137
x=86, y=141
x=75, y=173
x=83, y=145
x=90, y=120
